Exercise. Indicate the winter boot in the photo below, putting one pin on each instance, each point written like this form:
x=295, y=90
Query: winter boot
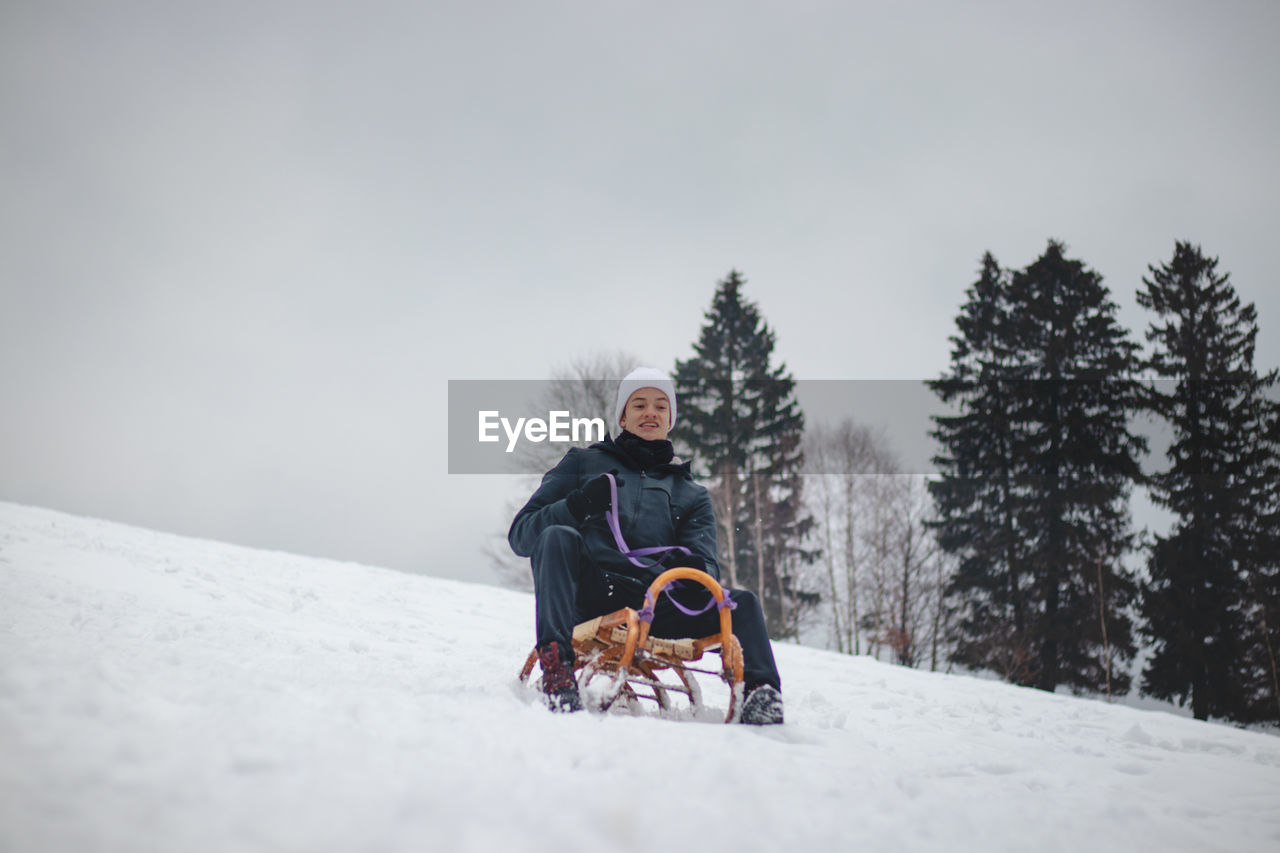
x=762, y=707
x=558, y=681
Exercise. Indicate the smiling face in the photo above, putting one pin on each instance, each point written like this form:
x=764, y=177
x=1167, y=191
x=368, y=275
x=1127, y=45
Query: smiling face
x=647, y=414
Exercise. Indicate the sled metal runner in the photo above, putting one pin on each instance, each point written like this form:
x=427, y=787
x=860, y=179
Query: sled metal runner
x=618, y=648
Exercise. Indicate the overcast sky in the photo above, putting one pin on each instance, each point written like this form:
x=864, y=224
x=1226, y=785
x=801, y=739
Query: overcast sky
x=245, y=245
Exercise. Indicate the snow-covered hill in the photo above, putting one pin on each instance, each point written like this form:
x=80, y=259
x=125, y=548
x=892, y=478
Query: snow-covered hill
x=160, y=693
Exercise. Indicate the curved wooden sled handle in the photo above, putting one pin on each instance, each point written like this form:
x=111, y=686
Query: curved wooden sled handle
x=732, y=662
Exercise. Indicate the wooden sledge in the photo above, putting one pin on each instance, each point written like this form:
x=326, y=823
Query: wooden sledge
x=618, y=646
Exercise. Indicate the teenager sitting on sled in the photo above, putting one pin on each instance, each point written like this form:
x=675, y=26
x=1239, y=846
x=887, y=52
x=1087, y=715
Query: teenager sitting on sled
x=580, y=573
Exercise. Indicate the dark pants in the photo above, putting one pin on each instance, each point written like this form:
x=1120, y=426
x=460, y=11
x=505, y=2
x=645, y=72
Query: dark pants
x=570, y=588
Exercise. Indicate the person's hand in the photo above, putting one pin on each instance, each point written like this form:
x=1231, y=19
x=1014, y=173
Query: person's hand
x=592, y=499
x=691, y=561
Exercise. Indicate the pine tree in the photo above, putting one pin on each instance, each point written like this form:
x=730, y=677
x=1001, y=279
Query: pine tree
x=974, y=496
x=743, y=428
x=1036, y=473
x=1263, y=587
x=1210, y=603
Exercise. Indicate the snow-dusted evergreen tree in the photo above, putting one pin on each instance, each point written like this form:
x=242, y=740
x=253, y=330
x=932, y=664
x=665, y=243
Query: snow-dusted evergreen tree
x=1210, y=603
x=975, y=494
x=1077, y=462
x=1036, y=472
x=1264, y=579
x=742, y=424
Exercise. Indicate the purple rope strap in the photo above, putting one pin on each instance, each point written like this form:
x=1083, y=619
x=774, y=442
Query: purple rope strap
x=647, y=612
x=632, y=554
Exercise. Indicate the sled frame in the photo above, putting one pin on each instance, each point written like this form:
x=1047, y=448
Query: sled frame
x=617, y=646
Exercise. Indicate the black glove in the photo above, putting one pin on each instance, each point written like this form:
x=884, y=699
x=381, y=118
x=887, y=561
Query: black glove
x=692, y=561
x=591, y=499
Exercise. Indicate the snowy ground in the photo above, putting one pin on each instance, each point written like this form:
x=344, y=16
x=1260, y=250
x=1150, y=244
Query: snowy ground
x=160, y=694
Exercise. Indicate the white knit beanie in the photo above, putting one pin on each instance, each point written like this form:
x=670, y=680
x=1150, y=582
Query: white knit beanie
x=644, y=377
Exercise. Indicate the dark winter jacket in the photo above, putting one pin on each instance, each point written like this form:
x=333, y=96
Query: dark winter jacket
x=657, y=505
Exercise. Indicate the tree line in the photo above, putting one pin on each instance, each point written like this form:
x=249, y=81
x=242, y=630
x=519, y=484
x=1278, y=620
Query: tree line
x=1020, y=556
x=1041, y=455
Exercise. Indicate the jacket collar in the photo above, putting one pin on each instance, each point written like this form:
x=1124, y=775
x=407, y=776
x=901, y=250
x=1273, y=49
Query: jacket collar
x=676, y=466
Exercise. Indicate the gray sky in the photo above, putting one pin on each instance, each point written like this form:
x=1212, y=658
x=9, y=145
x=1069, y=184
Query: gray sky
x=245, y=245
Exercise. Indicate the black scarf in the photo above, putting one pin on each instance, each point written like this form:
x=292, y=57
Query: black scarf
x=645, y=454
